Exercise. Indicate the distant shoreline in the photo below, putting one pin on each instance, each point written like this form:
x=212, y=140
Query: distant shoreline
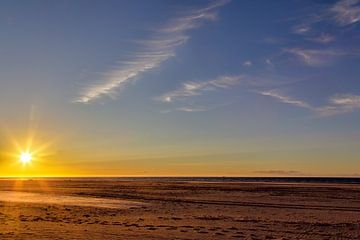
x=342, y=180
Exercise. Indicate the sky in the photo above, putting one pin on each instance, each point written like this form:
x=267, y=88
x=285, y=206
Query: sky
x=180, y=88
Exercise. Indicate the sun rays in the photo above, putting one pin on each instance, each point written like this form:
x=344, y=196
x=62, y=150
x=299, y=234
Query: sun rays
x=28, y=151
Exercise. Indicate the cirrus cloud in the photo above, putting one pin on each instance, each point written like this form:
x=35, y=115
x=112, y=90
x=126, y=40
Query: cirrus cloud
x=191, y=89
x=154, y=52
x=337, y=104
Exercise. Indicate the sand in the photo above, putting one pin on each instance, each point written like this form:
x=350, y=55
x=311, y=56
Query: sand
x=65, y=200
x=58, y=209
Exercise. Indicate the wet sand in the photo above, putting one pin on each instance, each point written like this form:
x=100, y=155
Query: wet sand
x=65, y=200
x=60, y=209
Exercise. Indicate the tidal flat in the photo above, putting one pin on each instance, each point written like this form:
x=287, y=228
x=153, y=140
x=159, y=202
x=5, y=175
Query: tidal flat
x=121, y=209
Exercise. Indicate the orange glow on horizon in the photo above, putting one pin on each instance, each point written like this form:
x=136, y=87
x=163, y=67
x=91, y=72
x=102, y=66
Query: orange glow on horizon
x=27, y=155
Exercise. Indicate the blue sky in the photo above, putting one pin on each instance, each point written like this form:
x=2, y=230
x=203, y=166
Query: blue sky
x=151, y=87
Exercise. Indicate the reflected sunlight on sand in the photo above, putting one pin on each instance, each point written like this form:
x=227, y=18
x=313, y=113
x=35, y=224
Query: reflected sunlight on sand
x=42, y=198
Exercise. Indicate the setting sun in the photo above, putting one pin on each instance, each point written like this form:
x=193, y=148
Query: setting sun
x=25, y=157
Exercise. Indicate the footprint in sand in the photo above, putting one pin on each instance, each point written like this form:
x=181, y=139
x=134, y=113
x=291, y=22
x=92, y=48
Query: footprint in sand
x=232, y=229
x=172, y=228
x=187, y=226
x=152, y=228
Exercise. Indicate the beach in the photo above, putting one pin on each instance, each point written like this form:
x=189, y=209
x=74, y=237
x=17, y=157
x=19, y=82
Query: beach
x=115, y=209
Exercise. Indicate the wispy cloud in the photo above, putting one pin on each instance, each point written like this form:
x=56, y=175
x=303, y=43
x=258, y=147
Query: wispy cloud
x=284, y=98
x=322, y=38
x=339, y=15
x=191, y=89
x=302, y=29
x=190, y=107
x=340, y=104
x=247, y=63
x=345, y=12
x=337, y=104
x=155, y=51
x=346, y=100
x=342, y=13
x=316, y=57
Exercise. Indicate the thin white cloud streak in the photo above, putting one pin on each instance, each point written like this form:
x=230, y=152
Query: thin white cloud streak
x=284, y=99
x=340, y=104
x=316, y=57
x=247, y=63
x=346, y=100
x=156, y=51
x=301, y=29
x=329, y=111
x=190, y=108
x=337, y=104
x=323, y=38
x=341, y=14
x=346, y=12
x=191, y=89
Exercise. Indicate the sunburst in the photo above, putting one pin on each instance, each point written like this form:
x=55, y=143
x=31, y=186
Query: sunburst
x=25, y=157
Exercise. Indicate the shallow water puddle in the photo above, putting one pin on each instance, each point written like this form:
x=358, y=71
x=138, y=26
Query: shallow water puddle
x=42, y=198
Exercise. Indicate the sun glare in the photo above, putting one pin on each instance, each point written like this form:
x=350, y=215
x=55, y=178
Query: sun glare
x=25, y=157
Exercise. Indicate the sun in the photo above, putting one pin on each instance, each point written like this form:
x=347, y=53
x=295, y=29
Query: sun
x=25, y=157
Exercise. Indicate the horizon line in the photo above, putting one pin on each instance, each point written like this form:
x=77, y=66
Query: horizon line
x=184, y=176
